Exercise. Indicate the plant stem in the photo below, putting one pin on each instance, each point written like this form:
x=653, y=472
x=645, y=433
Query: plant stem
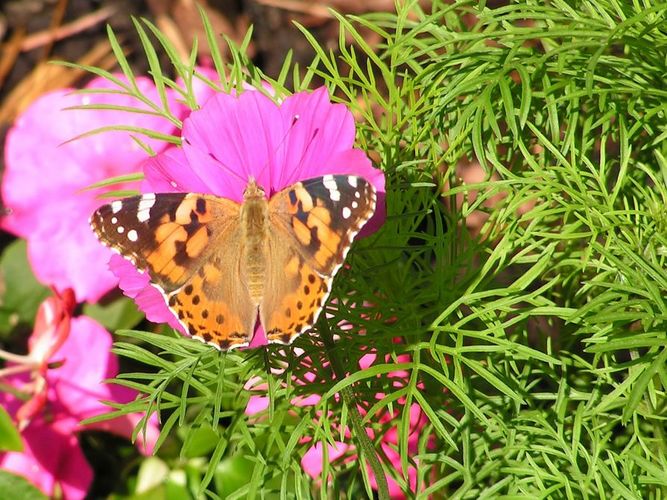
x=349, y=399
x=16, y=358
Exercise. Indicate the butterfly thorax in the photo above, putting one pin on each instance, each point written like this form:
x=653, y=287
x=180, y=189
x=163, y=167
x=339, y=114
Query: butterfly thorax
x=254, y=224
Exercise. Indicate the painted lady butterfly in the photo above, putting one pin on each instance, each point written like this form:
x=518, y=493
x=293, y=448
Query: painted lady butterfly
x=220, y=264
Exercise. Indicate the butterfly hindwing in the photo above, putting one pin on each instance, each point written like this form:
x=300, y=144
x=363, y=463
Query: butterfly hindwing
x=294, y=293
x=214, y=305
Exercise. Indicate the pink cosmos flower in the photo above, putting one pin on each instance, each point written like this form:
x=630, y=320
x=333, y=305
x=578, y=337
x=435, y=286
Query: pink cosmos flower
x=68, y=360
x=235, y=137
x=45, y=177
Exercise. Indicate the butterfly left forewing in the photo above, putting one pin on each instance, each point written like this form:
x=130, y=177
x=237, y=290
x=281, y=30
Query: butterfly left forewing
x=166, y=234
x=190, y=246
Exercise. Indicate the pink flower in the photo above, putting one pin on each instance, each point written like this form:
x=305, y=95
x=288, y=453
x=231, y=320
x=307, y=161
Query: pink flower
x=52, y=327
x=45, y=176
x=64, y=391
x=313, y=460
x=235, y=137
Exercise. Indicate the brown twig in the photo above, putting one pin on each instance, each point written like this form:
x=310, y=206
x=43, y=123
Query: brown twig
x=52, y=35
x=299, y=6
x=56, y=20
x=45, y=77
x=10, y=52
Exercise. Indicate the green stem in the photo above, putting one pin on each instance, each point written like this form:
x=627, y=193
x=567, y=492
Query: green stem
x=349, y=399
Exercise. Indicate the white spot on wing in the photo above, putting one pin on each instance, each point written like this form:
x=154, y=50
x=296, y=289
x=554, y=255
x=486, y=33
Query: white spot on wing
x=132, y=235
x=346, y=212
x=352, y=181
x=116, y=206
x=114, y=220
x=329, y=182
x=120, y=229
x=145, y=204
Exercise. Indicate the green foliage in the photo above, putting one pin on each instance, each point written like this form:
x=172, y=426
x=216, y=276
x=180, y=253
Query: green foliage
x=118, y=314
x=10, y=439
x=20, y=292
x=13, y=486
x=536, y=346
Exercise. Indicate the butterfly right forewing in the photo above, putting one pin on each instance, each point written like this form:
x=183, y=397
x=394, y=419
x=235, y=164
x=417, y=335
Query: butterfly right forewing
x=321, y=217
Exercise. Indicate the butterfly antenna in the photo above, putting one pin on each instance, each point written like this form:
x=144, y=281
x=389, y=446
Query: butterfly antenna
x=295, y=119
x=300, y=164
x=226, y=167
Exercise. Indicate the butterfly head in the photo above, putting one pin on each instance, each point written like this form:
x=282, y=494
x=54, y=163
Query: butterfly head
x=253, y=190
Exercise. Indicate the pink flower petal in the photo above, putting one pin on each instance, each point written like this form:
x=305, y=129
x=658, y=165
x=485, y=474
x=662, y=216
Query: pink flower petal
x=87, y=361
x=202, y=90
x=311, y=462
x=240, y=136
x=51, y=457
x=256, y=404
x=367, y=360
x=395, y=491
x=45, y=176
x=52, y=327
x=311, y=400
x=78, y=385
x=170, y=173
x=137, y=286
x=215, y=175
x=318, y=131
x=65, y=253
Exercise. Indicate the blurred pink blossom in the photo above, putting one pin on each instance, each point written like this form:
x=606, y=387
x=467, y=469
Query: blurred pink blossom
x=45, y=176
x=62, y=377
x=237, y=136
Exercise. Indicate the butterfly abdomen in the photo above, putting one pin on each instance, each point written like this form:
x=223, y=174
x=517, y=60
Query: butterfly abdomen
x=255, y=221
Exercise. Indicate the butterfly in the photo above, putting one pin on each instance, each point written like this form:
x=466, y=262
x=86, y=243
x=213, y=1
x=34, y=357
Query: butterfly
x=221, y=265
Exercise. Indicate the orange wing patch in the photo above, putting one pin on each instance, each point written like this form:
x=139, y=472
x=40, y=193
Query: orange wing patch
x=224, y=322
x=294, y=294
x=322, y=216
x=297, y=312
